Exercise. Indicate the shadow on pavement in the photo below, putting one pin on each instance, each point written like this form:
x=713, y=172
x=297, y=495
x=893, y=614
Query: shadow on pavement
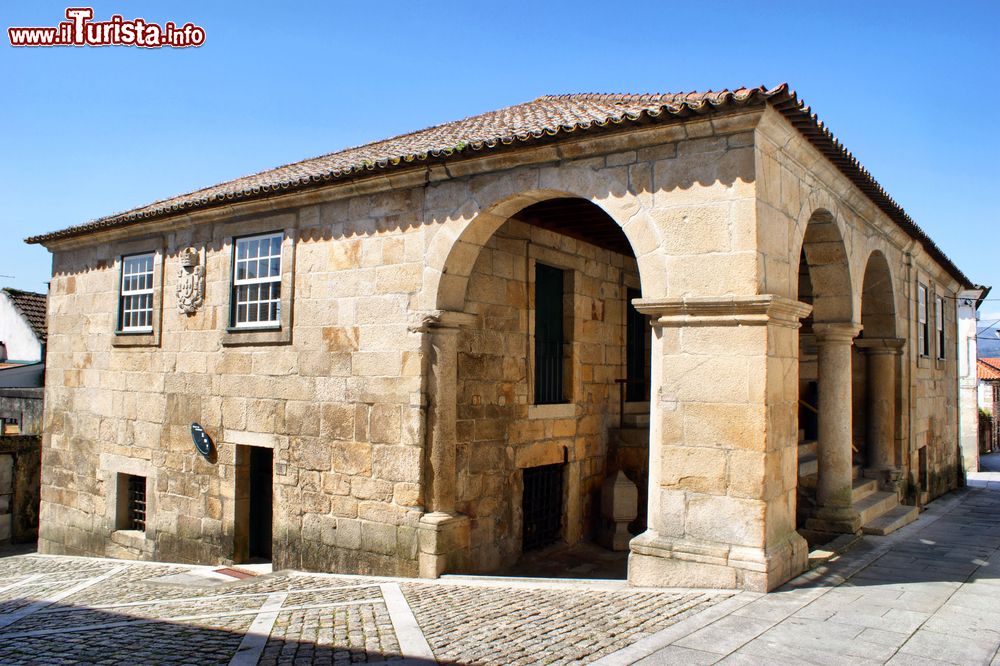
x=77, y=634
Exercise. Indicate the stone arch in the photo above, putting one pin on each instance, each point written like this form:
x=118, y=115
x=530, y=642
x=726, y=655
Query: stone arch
x=455, y=246
x=824, y=252
x=878, y=301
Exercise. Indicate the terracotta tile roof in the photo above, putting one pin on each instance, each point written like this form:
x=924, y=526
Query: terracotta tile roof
x=988, y=368
x=32, y=308
x=547, y=119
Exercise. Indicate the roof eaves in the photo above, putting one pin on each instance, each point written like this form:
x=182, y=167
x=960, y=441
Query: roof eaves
x=784, y=100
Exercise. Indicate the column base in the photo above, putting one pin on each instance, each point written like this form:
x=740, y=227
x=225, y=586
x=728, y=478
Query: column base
x=444, y=543
x=834, y=521
x=658, y=561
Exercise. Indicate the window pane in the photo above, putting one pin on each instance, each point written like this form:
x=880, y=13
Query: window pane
x=260, y=266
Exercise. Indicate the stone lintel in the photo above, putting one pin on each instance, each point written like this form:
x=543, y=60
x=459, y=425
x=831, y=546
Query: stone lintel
x=247, y=438
x=881, y=345
x=759, y=310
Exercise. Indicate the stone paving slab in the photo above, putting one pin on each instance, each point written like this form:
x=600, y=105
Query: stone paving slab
x=928, y=594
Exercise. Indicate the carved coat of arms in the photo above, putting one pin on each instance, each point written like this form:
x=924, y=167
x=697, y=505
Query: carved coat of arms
x=190, y=283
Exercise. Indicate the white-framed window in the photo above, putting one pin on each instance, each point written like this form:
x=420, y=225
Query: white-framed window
x=939, y=325
x=923, y=330
x=135, y=308
x=256, y=301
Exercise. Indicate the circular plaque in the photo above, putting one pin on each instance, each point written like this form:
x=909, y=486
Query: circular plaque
x=202, y=441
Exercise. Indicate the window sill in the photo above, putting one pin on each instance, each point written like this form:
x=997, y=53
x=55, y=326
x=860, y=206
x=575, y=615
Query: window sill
x=126, y=339
x=271, y=335
x=135, y=539
x=566, y=410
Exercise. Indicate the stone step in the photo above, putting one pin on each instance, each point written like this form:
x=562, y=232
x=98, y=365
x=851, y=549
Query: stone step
x=862, y=488
x=856, y=472
x=808, y=466
x=807, y=447
x=874, y=505
x=891, y=520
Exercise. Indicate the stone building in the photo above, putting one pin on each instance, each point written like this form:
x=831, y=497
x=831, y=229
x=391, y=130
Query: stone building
x=426, y=354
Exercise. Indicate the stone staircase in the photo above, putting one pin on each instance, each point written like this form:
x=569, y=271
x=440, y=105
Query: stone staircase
x=880, y=511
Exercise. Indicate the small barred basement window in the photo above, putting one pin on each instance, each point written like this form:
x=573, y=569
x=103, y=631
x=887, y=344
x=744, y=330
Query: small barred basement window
x=131, y=502
x=542, y=505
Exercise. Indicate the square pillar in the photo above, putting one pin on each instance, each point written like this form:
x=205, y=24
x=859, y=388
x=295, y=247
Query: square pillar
x=723, y=438
x=443, y=532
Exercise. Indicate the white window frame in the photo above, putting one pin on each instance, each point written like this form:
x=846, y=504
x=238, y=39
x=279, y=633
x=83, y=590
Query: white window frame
x=129, y=294
x=923, y=331
x=271, y=281
x=939, y=325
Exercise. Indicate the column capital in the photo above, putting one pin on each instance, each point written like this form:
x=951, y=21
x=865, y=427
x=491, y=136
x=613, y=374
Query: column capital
x=440, y=320
x=759, y=309
x=842, y=332
x=891, y=346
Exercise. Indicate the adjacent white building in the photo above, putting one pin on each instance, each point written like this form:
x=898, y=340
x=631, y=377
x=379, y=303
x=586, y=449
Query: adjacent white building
x=968, y=382
x=22, y=338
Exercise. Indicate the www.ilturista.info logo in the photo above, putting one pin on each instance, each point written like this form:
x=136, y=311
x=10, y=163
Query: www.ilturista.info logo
x=80, y=30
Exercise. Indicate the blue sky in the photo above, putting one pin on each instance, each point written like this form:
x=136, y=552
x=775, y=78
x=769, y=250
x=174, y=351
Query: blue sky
x=912, y=89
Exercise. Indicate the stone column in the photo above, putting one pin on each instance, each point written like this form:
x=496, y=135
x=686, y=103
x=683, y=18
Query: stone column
x=444, y=534
x=880, y=356
x=722, y=449
x=834, y=457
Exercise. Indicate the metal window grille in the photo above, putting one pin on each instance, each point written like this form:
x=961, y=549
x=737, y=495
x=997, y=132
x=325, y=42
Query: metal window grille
x=548, y=335
x=542, y=505
x=137, y=503
x=136, y=301
x=636, y=327
x=257, y=281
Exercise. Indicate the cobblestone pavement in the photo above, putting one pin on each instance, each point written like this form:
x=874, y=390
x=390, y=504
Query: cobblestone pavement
x=56, y=610
x=927, y=594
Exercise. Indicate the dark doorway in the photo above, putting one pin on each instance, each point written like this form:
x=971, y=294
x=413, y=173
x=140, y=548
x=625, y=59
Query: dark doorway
x=260, y=503
x=542, y=505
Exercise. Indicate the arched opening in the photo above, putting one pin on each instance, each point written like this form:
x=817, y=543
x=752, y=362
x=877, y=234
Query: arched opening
x=824, y=451
x=552, y=392
x=878, y=320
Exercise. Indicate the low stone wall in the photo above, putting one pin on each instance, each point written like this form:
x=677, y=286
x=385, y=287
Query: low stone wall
x=24, y=405
x=20, y=480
